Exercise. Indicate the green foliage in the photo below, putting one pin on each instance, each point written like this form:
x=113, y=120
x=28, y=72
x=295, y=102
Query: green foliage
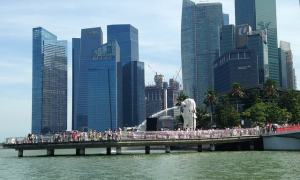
x=181, y=98
x=227, y=115
x=291, y=101
x=203, y=119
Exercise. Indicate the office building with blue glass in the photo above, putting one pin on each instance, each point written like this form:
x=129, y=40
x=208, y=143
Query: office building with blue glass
x=133, y=73
x=49, y=82
x=261, y=15
x=200, y=44
x=237, y=66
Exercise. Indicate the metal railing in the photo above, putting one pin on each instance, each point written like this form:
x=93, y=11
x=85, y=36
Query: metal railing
x=133, y=136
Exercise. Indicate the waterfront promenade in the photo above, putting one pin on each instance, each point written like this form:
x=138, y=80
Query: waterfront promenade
x=167, y=139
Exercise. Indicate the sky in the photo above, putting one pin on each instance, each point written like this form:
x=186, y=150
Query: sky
x=158, y=22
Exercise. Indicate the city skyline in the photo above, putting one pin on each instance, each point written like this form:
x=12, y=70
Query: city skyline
x=158, y=48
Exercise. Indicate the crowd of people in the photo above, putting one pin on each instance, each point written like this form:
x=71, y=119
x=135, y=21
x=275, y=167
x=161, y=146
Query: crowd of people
x=118, y=135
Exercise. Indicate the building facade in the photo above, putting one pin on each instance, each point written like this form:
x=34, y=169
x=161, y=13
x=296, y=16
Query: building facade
x=49, y=83
x=133, y=94
x=128, y=39
x=200, y=26
x=238, y=66
x=133, y=73
x=91, y=39
x=261, y=15
x=227, y=39
x=288, y=77
x=104, y=88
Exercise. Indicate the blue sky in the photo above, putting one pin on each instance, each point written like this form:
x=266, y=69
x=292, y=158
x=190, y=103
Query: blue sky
x=158, y=22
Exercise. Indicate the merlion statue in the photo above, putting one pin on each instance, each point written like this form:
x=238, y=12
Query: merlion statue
x=188, y=112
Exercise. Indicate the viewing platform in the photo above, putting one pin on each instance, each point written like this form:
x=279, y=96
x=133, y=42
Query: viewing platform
x=165, y=139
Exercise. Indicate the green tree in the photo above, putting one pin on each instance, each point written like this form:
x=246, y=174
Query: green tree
x=270, y=90
x=226, y=114
x=256, y=113
x=203, y=119
x=291, y=101
x=181, y=98
x=237, y=93
x=210, y=101
x=275, y=114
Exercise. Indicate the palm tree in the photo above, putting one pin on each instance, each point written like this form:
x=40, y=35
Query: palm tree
x=210, y=101
x=181, y=98
x=237, y=93
x=270, y=90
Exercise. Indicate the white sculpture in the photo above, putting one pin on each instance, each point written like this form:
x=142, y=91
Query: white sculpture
x=188, y=112
x=188, y=108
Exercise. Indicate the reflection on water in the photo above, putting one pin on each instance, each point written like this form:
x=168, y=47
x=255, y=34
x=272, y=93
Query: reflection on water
x=136, y=165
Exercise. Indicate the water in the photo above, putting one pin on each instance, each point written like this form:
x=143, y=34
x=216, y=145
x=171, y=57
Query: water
x=178, y=165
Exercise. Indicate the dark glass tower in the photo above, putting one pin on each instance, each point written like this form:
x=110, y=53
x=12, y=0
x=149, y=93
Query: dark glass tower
x=261, y=15
x=133, y=72
x=227, y=39
x=49, y=82
x=128, y=39
x=200, y=26
x=133, y=93
x=75, y=75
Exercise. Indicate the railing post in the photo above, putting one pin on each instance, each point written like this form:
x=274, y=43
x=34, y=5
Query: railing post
x=212, y=147
x=80, y=151
x=50, y=152
x=147, y=150
x=168, y=149
x=199, y=148
x=108, y=151
x=20, y=152
x=118, y=150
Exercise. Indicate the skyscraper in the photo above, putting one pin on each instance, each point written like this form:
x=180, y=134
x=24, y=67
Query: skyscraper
x=133, y=72
x=288, y=77
x=91, y=39
x=75, y=75
x=227, y=39
x=225, y=19
x=104, y=88
x=237, y=66
x=128, y=39
x=49, y=82
x=133, y=94
x=200, y=26
x=261, y=15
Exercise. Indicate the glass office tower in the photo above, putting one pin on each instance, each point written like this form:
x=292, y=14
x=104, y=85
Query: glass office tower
x=127, y=37
x=261, y=15
x=75, y=75
x=49, y=83
x=200, y=44
x=133, y=73
x=133, y=94
x=104, y=88
x=91, y=39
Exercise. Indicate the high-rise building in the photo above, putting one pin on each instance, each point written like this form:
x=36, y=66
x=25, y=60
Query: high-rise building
x=237, y=66
x=227, y=39
x=200, y=44
x=288, y=77
x=133, y=73
x=104, y=88
x=261, y=15
x=49, y=82
x=225, y=19
x=75, y=77
x=127, y=37
x=91, y=39
x=155, y=96
x=133, y=94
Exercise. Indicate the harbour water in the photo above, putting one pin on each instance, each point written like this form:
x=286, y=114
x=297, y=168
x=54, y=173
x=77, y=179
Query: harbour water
x=158, y=165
